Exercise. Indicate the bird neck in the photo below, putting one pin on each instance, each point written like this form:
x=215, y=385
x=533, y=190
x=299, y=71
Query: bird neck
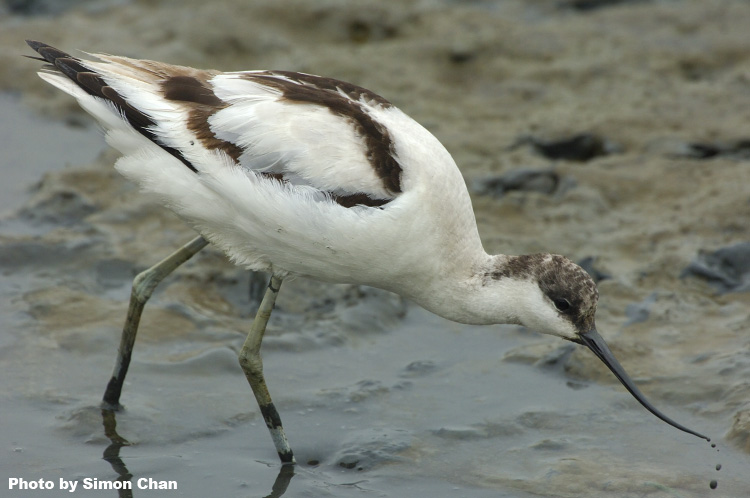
x=475, y=295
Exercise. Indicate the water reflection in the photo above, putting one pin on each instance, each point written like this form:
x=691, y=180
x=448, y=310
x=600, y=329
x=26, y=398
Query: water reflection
x=286, y=472
x=112, y=455
x=112, y=452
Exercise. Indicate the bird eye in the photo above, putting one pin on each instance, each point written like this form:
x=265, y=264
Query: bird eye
x=561, y=304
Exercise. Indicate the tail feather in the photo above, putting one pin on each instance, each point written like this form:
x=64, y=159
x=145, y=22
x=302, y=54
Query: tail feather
x=94, y=85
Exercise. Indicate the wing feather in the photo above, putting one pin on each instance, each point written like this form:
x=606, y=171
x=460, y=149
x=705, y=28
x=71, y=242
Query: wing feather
x=297, y=128
x=285, y=137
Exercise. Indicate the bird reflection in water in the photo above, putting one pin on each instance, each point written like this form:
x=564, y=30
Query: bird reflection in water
x=112, y=455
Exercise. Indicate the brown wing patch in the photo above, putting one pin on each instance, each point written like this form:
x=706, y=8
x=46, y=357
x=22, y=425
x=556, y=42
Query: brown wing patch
x=189, y=89
x=202, y=103
x=354, y=92
x=346, y=201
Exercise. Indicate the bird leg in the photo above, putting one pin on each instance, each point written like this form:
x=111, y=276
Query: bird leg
x=252, y=365
x=143, y=286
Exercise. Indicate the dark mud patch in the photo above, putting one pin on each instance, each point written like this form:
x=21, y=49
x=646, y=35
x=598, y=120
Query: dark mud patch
x=582, y=147
x=726, y=269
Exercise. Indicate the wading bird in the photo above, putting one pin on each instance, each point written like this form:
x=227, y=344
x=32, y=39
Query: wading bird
x=296, y=174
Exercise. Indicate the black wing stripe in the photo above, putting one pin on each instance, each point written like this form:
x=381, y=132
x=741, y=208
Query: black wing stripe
x=94, y=85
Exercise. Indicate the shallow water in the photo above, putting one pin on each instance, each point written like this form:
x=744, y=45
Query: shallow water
x=377, y=396
x=28, y=154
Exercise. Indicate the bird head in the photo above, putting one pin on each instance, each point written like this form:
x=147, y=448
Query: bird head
x=561, y=300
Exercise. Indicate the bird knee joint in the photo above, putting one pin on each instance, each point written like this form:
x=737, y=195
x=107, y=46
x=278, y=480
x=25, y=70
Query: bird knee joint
x=251, y=363
x=144, y=284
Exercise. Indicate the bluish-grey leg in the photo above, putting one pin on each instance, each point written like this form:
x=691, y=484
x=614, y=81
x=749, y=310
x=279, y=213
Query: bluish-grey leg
x=252, y=365
x=143, y=286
